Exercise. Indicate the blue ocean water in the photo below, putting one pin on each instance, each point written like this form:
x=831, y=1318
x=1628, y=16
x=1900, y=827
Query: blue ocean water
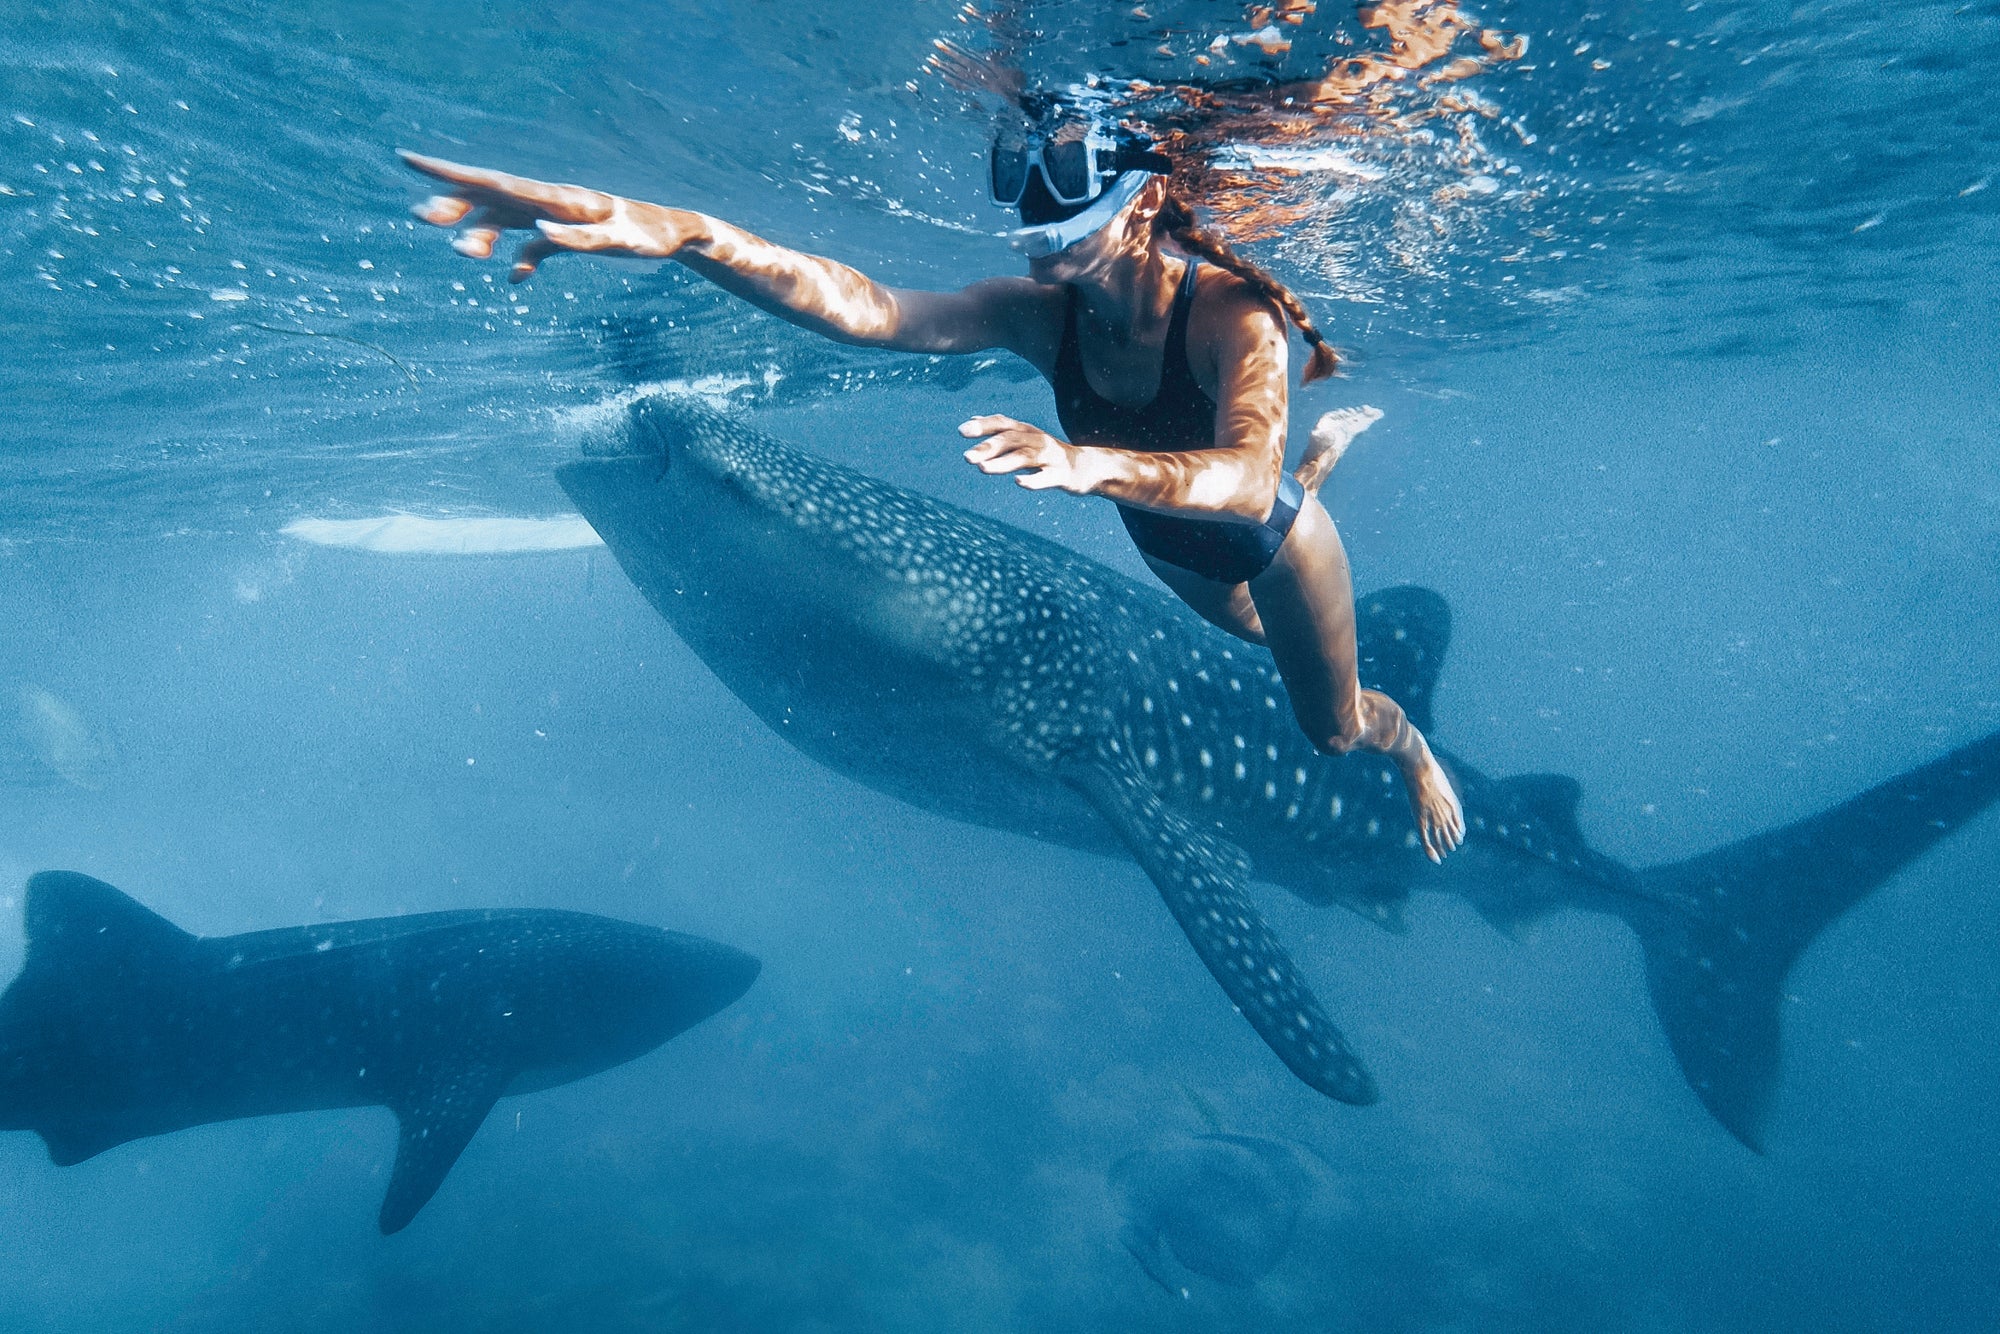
x=1685, y=345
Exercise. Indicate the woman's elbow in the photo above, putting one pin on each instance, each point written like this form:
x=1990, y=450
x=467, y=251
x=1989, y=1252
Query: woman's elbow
x=1231, y=494
x=1257, y=502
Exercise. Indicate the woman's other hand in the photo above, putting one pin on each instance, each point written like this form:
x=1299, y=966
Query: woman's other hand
x=482, y=204
x=1043, y=462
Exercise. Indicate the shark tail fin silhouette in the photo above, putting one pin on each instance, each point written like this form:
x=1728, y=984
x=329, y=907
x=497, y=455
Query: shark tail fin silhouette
x=88, y=945
x=1721, y=930
x=71, y=919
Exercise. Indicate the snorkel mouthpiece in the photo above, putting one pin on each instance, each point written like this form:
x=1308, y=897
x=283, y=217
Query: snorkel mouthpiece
x=1056, y=237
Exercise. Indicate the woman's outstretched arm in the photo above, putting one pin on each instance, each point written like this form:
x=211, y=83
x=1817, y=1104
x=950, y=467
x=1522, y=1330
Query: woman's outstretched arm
x=821, y=295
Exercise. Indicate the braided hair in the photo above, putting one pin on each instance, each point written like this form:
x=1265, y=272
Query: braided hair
x=1176, y=221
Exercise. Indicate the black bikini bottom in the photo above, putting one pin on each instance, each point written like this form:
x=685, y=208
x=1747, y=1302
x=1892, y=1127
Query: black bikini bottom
x=1229, y=553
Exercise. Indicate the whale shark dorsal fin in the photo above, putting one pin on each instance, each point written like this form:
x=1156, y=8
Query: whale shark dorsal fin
x=72, y=920
x=1548, y=799
x=1203, y=879
x=1401, y=636
x=438, y=1118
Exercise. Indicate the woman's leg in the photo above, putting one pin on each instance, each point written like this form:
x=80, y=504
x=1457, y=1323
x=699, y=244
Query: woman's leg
x=1226, y=606
x=1305, y=605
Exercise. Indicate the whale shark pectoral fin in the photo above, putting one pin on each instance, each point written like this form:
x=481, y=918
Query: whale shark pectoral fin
x=1202, y=878
x=438, y=1120
x=1401, y=635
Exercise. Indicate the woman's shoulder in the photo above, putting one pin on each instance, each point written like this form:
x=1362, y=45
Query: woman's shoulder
x=1013, y=288
x=1216, y=286
x=1230, y=309
x=1025, y=316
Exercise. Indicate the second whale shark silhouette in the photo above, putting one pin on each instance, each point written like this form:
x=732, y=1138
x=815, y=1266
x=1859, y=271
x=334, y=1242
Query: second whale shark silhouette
x=122, y=1025
x=975, y=670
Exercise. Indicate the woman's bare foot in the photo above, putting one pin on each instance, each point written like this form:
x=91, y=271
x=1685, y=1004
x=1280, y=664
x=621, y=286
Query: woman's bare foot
x=1331, y=436
x=1433, y=803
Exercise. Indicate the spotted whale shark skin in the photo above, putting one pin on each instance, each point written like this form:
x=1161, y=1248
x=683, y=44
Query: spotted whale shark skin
x=121, y=1025
x=983, y=673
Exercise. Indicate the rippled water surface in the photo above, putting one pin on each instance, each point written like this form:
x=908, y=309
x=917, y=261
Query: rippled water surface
x=1683, y=321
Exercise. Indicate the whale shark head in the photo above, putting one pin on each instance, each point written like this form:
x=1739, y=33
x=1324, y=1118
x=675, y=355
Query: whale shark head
x=669, y=981
x=708, y=516
x=593, y=992
x=763, y=557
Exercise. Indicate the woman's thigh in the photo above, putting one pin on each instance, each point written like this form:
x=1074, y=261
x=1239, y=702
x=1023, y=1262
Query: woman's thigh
x=1305, y=603
x=1227, y=606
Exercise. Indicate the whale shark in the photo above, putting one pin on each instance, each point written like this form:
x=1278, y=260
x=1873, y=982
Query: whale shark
x=975, y=670
x=121, y=1025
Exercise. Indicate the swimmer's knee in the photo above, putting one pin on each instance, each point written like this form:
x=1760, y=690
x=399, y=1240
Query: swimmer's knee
x=1341, y=741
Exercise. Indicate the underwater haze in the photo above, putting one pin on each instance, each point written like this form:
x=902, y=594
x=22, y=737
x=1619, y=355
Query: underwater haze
x=1682, y=319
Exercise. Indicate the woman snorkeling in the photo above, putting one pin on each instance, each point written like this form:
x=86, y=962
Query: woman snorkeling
x=1167, y=353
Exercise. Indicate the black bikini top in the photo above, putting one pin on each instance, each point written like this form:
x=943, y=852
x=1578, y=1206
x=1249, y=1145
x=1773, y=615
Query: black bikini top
x=1180, y=415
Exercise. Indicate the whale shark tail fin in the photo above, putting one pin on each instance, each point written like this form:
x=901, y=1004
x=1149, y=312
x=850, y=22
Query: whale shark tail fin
x=1721, y=930
x=74, y=921
x=88, y=946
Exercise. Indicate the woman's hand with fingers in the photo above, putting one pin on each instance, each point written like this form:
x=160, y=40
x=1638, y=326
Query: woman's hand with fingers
x=482, y=204
x=1041, y=461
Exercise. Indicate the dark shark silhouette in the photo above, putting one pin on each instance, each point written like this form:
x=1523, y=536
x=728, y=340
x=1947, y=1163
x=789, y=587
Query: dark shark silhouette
x=122, y=1025
x=975, y=670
